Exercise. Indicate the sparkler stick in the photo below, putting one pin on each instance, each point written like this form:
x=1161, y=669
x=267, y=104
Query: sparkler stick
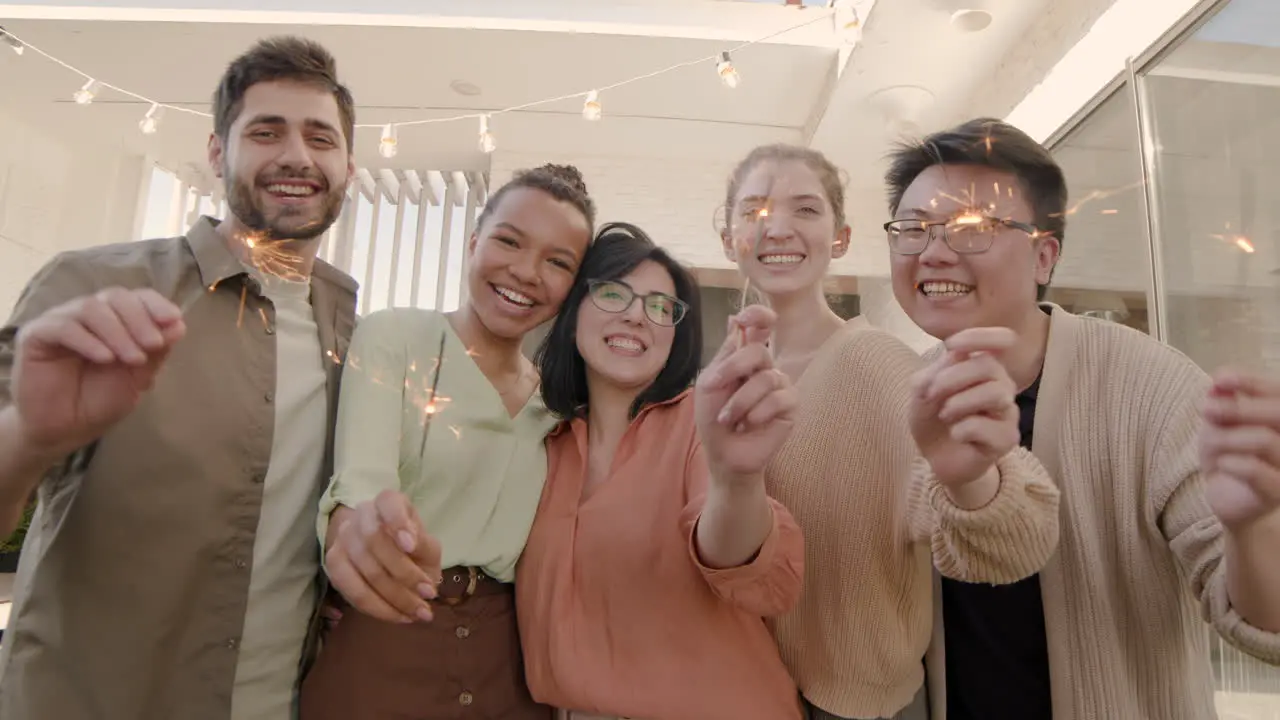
x=430, y=408
x=754, y=249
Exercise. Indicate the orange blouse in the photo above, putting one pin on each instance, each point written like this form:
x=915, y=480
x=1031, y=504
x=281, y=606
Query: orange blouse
x=617, y=614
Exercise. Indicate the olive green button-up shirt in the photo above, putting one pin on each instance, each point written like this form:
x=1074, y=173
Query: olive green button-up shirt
x=132, y=589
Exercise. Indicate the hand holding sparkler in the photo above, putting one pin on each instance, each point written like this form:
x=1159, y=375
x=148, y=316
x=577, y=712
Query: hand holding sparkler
x=382, y=560
x=963, y=414
x=1240, y=448
x=744, y=405
x=84, y=365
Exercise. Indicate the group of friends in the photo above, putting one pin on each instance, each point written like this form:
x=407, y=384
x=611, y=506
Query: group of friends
x=251, y=506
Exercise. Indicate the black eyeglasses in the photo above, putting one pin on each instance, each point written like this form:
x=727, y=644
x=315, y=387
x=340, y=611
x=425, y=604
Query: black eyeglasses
x=965, y=235
x=615, y=296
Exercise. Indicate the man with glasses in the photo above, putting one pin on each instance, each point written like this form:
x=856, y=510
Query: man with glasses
x=1108, y=628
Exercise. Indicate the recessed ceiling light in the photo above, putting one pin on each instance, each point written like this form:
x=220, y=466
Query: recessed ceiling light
x=462, y=87
x=971, y=20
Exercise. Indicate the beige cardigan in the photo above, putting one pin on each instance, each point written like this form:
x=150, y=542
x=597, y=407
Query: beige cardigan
x=875, y=522
x=1139, y=565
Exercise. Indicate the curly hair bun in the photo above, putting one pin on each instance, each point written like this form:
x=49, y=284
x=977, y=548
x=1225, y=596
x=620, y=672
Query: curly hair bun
x=567, y=174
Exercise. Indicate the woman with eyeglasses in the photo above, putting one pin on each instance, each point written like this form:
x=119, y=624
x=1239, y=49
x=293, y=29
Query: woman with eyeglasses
x=656, y=554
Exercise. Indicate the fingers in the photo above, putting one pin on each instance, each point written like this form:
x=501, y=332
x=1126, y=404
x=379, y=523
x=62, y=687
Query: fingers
x=383, y=567
x=992, y=436
x=755, y=322
x=1240, y=407
x=1262, y=477
x=963, y=374
x=114, y=325
x=396, y=513
x=1258, y=441
x=981, y=339
x=1230, y=380
x=764, y=396
x=737, y=367
x=348, y=581
x=992, y=399
x=427, y=558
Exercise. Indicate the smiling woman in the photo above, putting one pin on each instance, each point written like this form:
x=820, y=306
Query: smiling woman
x=438, y=442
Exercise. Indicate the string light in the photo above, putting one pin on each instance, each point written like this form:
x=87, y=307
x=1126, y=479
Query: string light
x=86, y=94
x=149, y=124
x=487, y=142
x=591, y=108
x=388, y=146
x=727, y=72
x=12, y=42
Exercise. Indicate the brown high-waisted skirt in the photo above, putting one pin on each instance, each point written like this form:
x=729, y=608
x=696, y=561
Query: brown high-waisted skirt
x=464, y=664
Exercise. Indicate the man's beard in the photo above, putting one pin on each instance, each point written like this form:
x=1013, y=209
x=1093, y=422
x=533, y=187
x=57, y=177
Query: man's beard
x=289, y=223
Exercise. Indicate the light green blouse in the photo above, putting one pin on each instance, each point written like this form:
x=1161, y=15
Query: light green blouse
x=476, y=477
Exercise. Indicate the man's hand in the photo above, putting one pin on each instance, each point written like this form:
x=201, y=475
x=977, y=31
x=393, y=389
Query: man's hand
x=963, y=414
x=744, y=406
x=1240, y=448
x=84, y=365
x=382, y=560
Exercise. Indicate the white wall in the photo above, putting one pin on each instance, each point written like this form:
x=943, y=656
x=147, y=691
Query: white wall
x=673, y=199
x=58, y=192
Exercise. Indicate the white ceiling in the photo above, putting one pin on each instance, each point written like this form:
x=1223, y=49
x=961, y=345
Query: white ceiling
x=912, y=69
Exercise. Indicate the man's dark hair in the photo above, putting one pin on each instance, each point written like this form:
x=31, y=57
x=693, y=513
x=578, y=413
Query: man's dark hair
x=995, y=144
x=562, y=182
x=618, y=249
x=281, y=58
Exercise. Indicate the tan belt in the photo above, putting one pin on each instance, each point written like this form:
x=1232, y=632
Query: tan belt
x=460, y=583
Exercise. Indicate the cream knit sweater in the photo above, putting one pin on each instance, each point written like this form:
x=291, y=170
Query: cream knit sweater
x=1139, y=565
x=872, y=519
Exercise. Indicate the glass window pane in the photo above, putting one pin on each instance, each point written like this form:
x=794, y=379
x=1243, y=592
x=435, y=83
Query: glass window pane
x=1213, y=104
x=1105, y=265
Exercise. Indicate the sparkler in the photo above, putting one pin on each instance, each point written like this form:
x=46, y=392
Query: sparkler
x=432, y=407
x=753, y=250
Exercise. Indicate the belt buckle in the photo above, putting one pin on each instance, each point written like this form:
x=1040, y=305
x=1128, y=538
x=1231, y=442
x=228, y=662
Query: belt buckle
x=473, y=578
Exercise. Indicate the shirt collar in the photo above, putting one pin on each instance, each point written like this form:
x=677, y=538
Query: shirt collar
x=580, y=422
x=216, y=262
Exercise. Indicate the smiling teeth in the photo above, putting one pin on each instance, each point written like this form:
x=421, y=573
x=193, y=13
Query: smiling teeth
x=515, y=297
x=780, y=259
x=292, y=189
x=945, y=289
x=625, y=344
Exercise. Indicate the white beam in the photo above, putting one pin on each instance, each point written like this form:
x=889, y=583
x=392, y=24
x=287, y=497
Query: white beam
x=413, y=182
x=434, y=185
x=389, y=184
x=479, y=186
x=460, y=184
x=688, y=19
x=1125, y=30
x=364, y=181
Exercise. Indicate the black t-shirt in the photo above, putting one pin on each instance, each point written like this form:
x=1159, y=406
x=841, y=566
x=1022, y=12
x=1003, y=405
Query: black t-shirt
x=997, y=655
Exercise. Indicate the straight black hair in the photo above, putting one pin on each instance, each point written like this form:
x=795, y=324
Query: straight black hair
x=995, y=144
x=618, y=249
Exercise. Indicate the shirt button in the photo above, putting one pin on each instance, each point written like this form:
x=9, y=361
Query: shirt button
x=269, y=397
x=465, y=698
x=462, y=632
x=271, y=330
x=232, y=643
x=259, y=478
x=241, y=564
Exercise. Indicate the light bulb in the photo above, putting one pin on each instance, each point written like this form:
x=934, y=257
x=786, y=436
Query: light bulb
x=149, y=124
x=726, y=71
x=487, y=142
x=85, y=95
x=591, y=108
x=389, y=145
